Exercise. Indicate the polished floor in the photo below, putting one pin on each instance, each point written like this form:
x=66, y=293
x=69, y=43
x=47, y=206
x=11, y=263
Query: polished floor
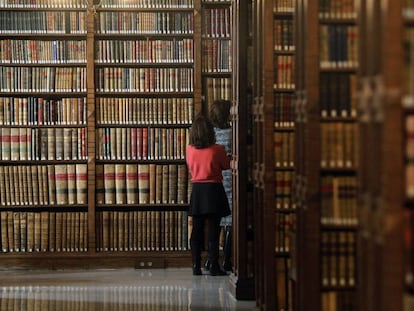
x=116, y=290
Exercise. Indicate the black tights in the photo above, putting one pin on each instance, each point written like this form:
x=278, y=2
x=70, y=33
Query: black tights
x=197, y=238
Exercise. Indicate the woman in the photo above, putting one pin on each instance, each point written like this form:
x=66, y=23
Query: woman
x=206, y=160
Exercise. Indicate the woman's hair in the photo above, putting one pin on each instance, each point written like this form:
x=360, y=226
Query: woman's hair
x=220, y=113
x=202, y=133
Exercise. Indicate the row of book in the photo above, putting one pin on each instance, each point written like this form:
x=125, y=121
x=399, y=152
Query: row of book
x=41, y=111
x=130, y=297
x=142, y=184
x=127, y=22
x=217, y=55
x=339, y=200
x=35, y=185
x=283, y=190
x=121, y=79
x=143, y=111
x=141, y=143
x=338, y=94
x=408, y=65
x=44, y=231
x=338, y=46
x=216, y=89
x=42, y=4
x=339, y=301
x=409, y=156
x=285, y=72
x=42, y=51
x=43, y=144
x=284, y=224
x=337, y=9
x=47, y=22
x=164, y=4
x=284, y=6
x=217, y=22
x=284, y=110
x=145, y=51
x=284, y=285
x=283, y=35
x=142, y=231
x=43, y=79
x=284, y=143
x=339, y=145
x=338, y=258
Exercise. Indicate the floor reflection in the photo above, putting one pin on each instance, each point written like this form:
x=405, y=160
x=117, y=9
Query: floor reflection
x=117, y=290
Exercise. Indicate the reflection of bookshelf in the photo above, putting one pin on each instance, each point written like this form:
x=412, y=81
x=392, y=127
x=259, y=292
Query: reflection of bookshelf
x=43, y=129
x=216, y=50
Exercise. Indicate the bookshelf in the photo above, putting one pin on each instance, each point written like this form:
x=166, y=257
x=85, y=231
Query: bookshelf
x=217, y=52
x=327, y=168
x=384, y=214
x=274, y=151
x=242, y=278
x=100, y=99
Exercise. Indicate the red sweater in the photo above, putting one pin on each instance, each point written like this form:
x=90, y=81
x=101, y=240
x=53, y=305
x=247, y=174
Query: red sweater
x=206, y=164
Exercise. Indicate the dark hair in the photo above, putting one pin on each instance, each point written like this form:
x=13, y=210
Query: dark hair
x=220, y=113
x=202, y=133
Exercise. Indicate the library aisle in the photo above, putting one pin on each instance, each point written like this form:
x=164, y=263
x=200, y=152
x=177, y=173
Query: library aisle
x=116, y=289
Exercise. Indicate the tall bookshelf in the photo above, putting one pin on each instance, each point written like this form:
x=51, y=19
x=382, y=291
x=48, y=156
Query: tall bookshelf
x=122, y=82
x=216, y=51
x=242, y=278
x=274, y=151
x=327, y=178
x=385, y=208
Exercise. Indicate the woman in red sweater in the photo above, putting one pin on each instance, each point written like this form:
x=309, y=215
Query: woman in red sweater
x=206, y=160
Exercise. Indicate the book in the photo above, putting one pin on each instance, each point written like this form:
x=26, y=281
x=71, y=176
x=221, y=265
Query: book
x=143, y=183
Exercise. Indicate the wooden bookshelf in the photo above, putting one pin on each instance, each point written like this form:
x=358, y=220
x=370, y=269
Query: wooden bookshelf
x=385, y=222
x=242, y=278
x=113, y=76
x=326, y=255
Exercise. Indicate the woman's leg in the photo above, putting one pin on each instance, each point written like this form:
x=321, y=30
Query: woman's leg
x=213, y=244
x=196, y=241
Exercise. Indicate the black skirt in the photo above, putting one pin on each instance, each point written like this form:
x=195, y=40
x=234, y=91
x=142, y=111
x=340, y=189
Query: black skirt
x=208, y=198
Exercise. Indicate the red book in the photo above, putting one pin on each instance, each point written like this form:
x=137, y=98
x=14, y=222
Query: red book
x=139, y=143
x=145, y=143
x=134, y=144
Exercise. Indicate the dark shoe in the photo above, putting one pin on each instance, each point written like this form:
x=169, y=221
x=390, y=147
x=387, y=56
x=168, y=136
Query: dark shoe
x=207, y=265
x=196, y=270
x=215, y=270
x=227, y=266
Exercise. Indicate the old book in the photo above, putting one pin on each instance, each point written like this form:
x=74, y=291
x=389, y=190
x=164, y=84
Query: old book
x=35, y=184
x=61, y=184
x=14, y=144
x=105, y=229
x=152, y=186
x=71, y=180
x=4, y=233
x=99, y=184
x=3, y=185
x=109, y=183
x=10, y=230
x=120, y=183
x=30, y=231
x=172, y=183
x=52, y=183
x=165, y=183
x=61, y=141
x=23, y=231
x=44, y=241
x=81, y=171
x=158, y=184
x=59, y=221
x=131, y=184
x=52, y=231
x=143, y=183
x=5, y=143
x=37, y=231
x=64, y=232
x=51, y=144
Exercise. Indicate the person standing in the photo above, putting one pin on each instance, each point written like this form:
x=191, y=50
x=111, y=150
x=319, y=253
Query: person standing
x=220, y=117
x=208, y=202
